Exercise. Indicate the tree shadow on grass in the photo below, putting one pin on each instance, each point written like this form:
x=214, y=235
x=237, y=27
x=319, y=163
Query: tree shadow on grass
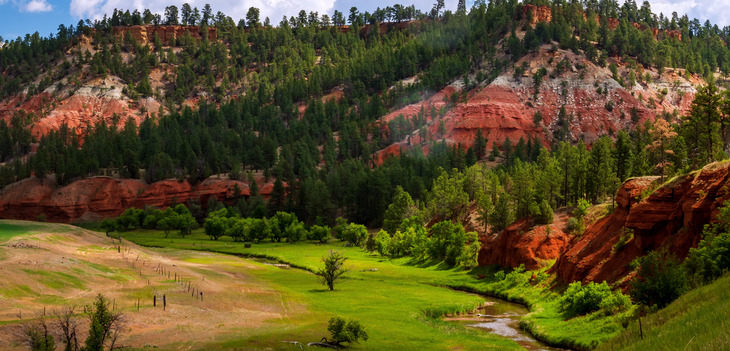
x=319, y=290
x=438, y=265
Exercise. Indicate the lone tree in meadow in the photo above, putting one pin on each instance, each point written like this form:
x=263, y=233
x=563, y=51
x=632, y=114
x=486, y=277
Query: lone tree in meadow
x=334, y=267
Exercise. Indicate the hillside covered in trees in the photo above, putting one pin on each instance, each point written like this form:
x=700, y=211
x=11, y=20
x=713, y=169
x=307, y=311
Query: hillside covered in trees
x=315, y=104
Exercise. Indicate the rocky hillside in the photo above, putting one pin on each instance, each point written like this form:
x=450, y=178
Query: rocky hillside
x=593, y=103
x=647, y=216
x=671, y=217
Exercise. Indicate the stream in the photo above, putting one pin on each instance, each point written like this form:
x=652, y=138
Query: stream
x=496, y=316
x=502, y=318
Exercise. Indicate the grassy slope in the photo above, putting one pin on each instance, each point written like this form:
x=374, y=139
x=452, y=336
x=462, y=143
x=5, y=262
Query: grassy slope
x=696, y=321
x=393, y=300
x=9, y=229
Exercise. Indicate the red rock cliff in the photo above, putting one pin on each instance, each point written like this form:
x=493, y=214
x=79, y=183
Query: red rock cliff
x=672, y=217
x=101, y=197
x=522, y=243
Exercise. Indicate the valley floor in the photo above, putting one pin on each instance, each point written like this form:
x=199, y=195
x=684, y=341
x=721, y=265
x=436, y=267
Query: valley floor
x=266, y=296
x=247, y=304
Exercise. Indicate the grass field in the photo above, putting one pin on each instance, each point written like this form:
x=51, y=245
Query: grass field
x=392, y=297
x=697, y=320
x=12, y=229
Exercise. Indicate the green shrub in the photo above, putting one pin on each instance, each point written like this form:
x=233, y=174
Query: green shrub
x=659, y=280
x=517, y=277
x=575, y=226
x=382, y=241
x=346, y=331
x=499, y=275
x=711, y=259
x=546, y=215
x=319, y=233
x=626, y=236
x=355, y=234
x=581, y=299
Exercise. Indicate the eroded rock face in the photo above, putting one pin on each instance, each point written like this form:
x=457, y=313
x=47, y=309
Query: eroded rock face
x=101, y=197
x=672, y=217
x=145, y=34
x=594, y=105
x=537, y=14
x=523, y=243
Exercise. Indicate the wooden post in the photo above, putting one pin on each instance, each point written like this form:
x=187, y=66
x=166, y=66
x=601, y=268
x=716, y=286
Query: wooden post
x=201, y=296
x=164, y=302
x=641, y=332
x=137, y=304
x=154, y=301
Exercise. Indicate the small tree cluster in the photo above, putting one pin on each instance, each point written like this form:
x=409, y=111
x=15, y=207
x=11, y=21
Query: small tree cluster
x=581, y=299
x=105, y=328
x=281, y=226
x=178, y=218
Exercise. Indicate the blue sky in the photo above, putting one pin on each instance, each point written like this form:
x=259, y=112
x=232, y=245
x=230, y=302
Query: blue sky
x=18, y=17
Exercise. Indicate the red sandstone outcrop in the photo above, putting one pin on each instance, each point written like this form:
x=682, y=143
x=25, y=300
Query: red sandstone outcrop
x=672, y=217
x=167, y=34
x=523, y=243
x=101, y=197
x=497, y=110
x=537, y=14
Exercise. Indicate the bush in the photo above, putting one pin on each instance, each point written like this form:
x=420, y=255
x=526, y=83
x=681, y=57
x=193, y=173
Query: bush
x=382, y=241
x=319, y=233
x=295, y=232
x=711, y=259
x=626, y=236
x=581, y=299
x=470, y=254
x=575, y=226
x=499, y=275
x=215, y=225
x=346, y=331
x=355, y=234
x=659, y=280
x=546, y=215
x=370, y=244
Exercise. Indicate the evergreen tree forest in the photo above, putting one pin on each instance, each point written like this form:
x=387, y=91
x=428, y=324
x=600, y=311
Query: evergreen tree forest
x=256, y=76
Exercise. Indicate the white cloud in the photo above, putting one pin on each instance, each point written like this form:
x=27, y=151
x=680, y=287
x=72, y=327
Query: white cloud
x=715, y=11
x=274, y=9
x=36, y=6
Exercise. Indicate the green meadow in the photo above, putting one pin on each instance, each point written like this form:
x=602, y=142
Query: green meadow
x=399, y=301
